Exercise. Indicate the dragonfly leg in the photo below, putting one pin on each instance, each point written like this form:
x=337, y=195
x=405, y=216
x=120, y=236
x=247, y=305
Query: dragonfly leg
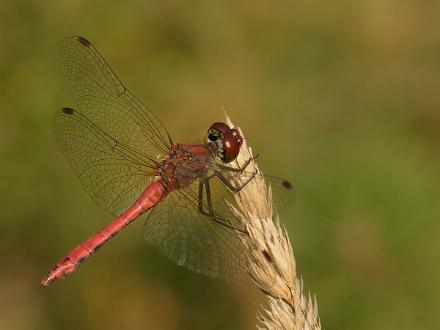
x=238, y=170
x=208, y=198
x=230, y=185
x=201, y=197
x=205, y=182
x=210, y=212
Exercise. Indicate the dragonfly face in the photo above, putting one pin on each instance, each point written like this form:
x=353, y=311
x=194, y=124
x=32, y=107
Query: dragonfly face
x=226, y=141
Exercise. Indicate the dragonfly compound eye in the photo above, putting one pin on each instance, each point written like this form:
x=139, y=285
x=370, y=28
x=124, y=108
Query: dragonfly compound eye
x=217, y=130
x=228, y=140
x=232, y=143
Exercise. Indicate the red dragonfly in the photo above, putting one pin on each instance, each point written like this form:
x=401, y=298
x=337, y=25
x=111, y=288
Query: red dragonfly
x=128, y=164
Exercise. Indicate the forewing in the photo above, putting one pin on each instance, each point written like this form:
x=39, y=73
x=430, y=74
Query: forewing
x=283, y=193
x=105, y=101
x=112, y=141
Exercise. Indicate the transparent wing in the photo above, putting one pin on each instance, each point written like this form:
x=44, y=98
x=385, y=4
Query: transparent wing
x=102, y=97
x=113, y=174
x=203, y=235
x=112, y=141
x=193, y=240
x=282, y=191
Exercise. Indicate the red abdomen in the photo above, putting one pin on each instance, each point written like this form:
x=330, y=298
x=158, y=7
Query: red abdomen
x=152, y=195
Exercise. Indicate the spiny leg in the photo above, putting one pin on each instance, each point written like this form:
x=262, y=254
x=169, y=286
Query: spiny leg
x=240, y=169
x=230, y=185
x=210, y=212
x=208, y=198
x=201, y=196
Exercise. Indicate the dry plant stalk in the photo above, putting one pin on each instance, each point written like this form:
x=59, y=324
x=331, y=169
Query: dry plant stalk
x=271, y=263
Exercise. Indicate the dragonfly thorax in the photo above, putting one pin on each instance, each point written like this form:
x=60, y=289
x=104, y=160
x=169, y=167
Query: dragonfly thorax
x=185, y=163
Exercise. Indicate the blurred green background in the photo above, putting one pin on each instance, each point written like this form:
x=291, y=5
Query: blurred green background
x=340, y=97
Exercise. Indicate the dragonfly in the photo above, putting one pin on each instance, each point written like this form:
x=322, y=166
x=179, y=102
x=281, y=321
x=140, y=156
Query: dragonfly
x=129, y=165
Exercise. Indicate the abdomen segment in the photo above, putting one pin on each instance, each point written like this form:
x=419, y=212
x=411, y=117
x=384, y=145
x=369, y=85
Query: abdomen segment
x=152, y=195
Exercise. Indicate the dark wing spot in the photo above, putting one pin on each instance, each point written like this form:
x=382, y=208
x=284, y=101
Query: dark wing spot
x=286, y=184
x=67, y=111
x=84, y=41
x=267, y=256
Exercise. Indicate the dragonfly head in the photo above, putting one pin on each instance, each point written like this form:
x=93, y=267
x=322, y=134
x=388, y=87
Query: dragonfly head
x=227, y=141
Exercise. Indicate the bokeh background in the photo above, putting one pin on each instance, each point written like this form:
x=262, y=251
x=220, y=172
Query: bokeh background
x=341, y=97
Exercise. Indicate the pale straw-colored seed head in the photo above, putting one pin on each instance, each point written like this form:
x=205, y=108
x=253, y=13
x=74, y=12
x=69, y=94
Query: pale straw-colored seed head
x=271, y=263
